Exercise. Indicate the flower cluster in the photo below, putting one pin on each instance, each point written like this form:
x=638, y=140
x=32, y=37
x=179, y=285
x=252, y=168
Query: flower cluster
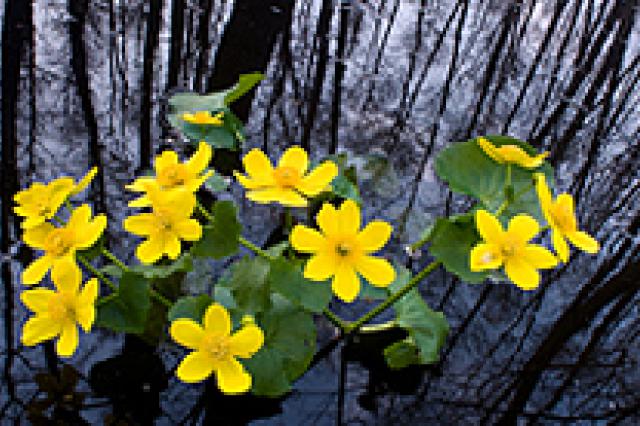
x=58, y=311
x=511, y=248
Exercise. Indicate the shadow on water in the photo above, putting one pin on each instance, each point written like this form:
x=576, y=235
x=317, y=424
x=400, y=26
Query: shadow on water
x=85, y=83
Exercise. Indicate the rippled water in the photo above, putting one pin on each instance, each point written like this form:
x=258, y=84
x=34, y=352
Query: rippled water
x=85, y=83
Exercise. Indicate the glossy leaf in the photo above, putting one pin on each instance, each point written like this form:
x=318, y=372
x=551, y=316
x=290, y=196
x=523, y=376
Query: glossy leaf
x=220, y=238
x=128, y=309
x=286, y=278
x=402, y=354
x=247, y=281
x=192, y=307
x=245, y=83
x=183, y=264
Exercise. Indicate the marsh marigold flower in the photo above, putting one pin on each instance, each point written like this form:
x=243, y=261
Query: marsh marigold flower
x=60, y=244
x=203, y=117
x=215, y=349
x=166, y=225
x=342, y=251
x=59, y=312
x=561, y=216
x=511, y=249
x=40, y=202
x=288, y=183
x=171, y=174
x=511, y=154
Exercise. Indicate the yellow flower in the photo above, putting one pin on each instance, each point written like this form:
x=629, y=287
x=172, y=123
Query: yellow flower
x=511, y=248
x=286, y=184
x=59, y=312
x=342, y=251
x=203, y=117
x=85, y=181
x=41, y=202
x=511, y=154
x=561, y=216
x=61, y=244
x=173, y=175
x=168, y=223
x=215, y=349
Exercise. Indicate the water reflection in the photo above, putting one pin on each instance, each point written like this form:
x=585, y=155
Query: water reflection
x=401, y=79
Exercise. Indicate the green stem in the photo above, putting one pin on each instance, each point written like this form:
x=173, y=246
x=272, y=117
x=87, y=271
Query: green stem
x=353, y=327
x=248, y=244
x=97, y=273
x=375, y=328
x=336, y=320
x=114, y=259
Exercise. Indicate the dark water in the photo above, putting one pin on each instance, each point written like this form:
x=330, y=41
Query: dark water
x=85, y=83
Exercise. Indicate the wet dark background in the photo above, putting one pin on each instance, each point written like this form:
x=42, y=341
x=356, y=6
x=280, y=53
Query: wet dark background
x=86, y=82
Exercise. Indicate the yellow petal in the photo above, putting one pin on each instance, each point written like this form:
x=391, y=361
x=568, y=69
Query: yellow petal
x=544, y=197
x=522, y=273
x=140, y=184
x=515, y=155
x=319, y=179
x=306, y=239
x=374, y=236
x=232, y=377
x=142, y=224
x=165, y=159
x=172, y=247
x=195, y=367
x=286, y=197
x=150, y=250
x=31, y=221
x=37, y=300
x=246, y=341
x=79, y=217
x=89, y=293
x=186, y=332
x=320, y=267
x=248, y=183
x=258, y=167
x=35, y=272
x=377, y=271
x=188, y=230
x=327, y=220
x=85, y=181
x=584, y=241
x=346, y=284
x=564, y=208
x=86, y=316
x=488, y=227
x=485, y=256
x=539, y=257
x=142, y=201
x=217, y=320
x=524, y=227
x=37, y=237
x=66, y=275
x=91, y=232
x=38, y=329
x=349, y=218
x=200, y=159
x=490, y=149
x=560, y=245
x=295, y=158
x=68, y=341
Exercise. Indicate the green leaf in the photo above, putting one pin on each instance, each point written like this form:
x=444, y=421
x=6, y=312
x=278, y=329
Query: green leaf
x=247, y=280
x=290, y=343
x=223, y=296
x=220, y=238
x=426, y=327
x=451, y=242
x=127, y=311
x=112, y=270
x=345, y=188
x=216, y=136
x=217, y=183
x=402, y=354
x=183, y=264
x=286, y=278
x=245, y=83
x=192, y=307
x=468, y=170
x=371, y=293
x=278, y=249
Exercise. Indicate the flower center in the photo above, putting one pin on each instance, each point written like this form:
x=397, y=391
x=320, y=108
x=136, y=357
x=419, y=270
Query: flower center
x=286, y=177
x=344, y=248
x=62, y=308
x=60, y=242
x=563, y=216
x=510, y=247
x=216, y=346
x=43, y=209
x=172, y=176
x=163, y=217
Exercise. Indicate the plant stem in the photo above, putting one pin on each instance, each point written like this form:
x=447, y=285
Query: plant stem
x=114, y=259
x=353, y=327
x=336, y=320
x=97, y=273
x=248, y=244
